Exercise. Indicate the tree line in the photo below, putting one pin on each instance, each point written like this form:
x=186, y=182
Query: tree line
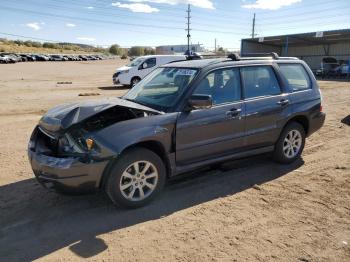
x=133, y=51
x=113, y=49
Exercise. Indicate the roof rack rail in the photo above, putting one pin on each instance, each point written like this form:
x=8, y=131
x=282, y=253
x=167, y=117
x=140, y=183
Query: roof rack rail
x=288, y=58
x=274, y=55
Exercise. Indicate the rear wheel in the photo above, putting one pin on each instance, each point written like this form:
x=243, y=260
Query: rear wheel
x=291, y=143
x=137, y=177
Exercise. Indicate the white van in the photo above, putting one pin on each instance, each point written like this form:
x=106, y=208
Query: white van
x=137, y=69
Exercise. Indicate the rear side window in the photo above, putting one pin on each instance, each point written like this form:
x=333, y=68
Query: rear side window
x=296, y=75
x=259, y=81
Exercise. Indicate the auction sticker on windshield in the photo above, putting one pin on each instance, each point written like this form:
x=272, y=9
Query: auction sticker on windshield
x=186, y=72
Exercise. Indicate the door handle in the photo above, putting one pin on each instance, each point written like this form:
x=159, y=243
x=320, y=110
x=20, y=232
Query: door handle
x=233, y=112
x=283, y=102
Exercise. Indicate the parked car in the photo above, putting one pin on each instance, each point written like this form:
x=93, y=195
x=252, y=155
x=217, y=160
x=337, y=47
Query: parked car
x=24, y=57
x=16, y=57
x=31, y=58
x=192, y=55
x=41, y=58
x=133, y=72
x=83, y=57
x=328, y=67
x=56, y=58
x=3, y=59
x=344, y=68
x=8, y=59
x=180, y=117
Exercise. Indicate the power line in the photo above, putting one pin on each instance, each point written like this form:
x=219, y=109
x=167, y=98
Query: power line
x=298, y=6
x=303, y=20
x=112, y=22
x=221, y=26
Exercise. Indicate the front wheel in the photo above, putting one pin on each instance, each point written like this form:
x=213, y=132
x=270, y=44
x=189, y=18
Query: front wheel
x=136, y=178
x=291, y=143
x=135, y=80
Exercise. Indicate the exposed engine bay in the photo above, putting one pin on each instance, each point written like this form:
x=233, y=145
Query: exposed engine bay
x=112, y=116
x=73, y=141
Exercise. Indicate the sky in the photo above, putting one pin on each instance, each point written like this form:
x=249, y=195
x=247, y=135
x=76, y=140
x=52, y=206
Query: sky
x=163, y=22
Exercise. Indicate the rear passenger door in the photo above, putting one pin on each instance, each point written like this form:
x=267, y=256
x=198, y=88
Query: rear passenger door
x=265, y=104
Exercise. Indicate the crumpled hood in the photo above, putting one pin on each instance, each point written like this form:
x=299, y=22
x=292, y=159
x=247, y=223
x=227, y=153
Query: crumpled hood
x=64, y=116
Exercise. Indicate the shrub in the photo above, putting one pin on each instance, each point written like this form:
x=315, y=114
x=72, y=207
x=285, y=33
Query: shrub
x=50, y=45
x=149, y=51
x=124, y=56
x=136, y=51
x=115, y=50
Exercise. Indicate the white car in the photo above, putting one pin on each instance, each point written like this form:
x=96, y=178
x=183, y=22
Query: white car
x=133, y=72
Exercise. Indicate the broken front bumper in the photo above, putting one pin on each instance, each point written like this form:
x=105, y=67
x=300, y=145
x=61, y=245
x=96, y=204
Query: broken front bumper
x=74, y=174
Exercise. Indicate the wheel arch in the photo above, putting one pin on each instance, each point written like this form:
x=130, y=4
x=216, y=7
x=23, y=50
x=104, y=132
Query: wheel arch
x=134, y=77
x=302, y=120
x=152, y=145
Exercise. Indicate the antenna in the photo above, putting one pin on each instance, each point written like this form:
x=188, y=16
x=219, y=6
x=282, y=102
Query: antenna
x=253, y=27
x=188, y=28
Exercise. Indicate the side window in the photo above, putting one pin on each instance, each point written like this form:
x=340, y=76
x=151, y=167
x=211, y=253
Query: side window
x=151, y=62
x=259, y=81
x=296, y=75
x=223, y=85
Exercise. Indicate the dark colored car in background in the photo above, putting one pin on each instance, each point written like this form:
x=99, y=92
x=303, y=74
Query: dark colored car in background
x=181, y=117
x=41, y=58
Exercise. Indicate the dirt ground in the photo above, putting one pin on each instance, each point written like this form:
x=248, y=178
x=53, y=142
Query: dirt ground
x=256, y=210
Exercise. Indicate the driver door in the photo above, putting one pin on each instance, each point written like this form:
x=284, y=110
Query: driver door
x=208, y=133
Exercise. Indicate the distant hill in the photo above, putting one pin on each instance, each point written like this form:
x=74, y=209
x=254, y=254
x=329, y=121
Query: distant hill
x=19, y=46
x=84, y=46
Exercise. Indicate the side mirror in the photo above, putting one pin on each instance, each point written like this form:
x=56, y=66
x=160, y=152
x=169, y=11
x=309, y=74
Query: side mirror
x=200, y=102
x=144, y=65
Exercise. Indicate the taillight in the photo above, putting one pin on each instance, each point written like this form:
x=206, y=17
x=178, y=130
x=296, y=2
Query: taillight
x=321, y=108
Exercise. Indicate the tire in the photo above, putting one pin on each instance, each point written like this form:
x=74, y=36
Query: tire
x=131, y=189
x=134, y=81
x=290, y=144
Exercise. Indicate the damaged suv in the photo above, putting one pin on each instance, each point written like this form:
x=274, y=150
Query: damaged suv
x=180, y=117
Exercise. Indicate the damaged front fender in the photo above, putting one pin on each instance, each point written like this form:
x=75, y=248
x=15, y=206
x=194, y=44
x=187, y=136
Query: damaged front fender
x=158, y=128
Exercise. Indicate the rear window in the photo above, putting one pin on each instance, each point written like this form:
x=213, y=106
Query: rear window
x=296, y=75
x=259, y=81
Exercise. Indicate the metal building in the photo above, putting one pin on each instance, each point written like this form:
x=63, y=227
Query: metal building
x=311, y=47
x=177, y=49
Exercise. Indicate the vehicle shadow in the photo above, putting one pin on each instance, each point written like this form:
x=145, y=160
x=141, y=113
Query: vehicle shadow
x=35, y=222
x=346, y=120
x=115, y=87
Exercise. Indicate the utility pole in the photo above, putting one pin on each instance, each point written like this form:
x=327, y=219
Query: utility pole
x=188, y=27
x=253, y=27
x=215, y=45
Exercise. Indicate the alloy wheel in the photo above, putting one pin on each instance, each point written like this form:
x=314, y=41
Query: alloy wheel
x=138, y=181
x=292, y=143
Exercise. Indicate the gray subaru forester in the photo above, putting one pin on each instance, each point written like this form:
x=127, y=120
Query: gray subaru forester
x=181, y=117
